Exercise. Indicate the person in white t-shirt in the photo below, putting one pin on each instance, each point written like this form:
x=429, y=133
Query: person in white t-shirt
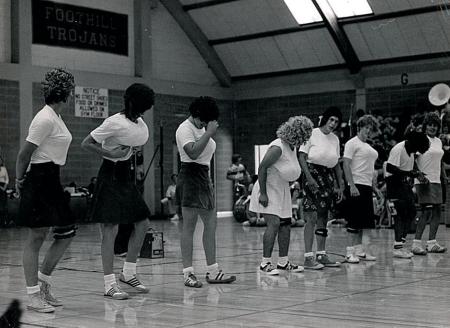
x=116, y=198
x=359, y=162
x=399, y=172
x=43, y=203
x=322, y=182
x=271, y=193
x=194, y=192
x=429, y=194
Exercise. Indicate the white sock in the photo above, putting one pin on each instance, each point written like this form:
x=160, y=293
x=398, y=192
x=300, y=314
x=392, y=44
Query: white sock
x=359, y=249
x=213, y=268
x=283, y=260
x=33, y=289
x=129, y=270
x=187, y=271
x=398, y=245
x=266, y=260
x=350, y=250
x=110, y=279
x=44, y=277
x=431, y=242
x=321, y=252
x=417, y=241
x=309, y=254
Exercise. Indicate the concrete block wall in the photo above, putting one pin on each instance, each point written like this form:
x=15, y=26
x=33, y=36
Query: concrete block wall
x=5, y=31
x=9, y=125
x=92, y=61
x=258, y=119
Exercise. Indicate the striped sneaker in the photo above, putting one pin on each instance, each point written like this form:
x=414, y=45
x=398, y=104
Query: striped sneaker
x=219, y=278
x=290, y=267
x=47, y=294
x=192, y=281
x=269, y=269
x=39, y=304
x=135, y=283
x=116, y=293
x=434, y=247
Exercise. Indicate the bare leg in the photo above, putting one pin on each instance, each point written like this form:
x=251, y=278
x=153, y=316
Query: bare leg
x=54, y=255
x=109, y=233
x=190, y=216
x=209, y=218
x=284, y=239
x=322, y=218
x=426, y=213
x=36, y=237
x=136, y=240
x=310, y=227
x=273, y=225
x=435, y=221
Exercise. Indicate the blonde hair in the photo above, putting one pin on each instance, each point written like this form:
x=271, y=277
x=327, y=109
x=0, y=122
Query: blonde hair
x=296, y=130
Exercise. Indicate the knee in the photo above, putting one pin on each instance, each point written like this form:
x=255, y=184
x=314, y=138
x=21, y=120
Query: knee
x=321, y=232
x=285, y=222
x=37, y=236
x=66, y=232
x=143, y=225
x=352, y=230
x=311, y=218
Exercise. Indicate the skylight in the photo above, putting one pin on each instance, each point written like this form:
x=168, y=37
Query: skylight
x=349, y=8
x=303, y=11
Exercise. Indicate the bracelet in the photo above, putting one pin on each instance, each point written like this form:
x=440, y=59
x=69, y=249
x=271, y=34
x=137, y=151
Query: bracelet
x=20, y=180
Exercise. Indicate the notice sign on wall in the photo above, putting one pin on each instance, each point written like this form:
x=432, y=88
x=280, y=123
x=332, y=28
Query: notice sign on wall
x=91, y=102
x=63, y=25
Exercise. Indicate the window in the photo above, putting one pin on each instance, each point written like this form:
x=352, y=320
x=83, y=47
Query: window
x=260, y=151
x=303, y=11
x=349, y=8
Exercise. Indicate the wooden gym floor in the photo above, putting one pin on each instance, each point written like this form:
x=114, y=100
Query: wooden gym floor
x=387, y=293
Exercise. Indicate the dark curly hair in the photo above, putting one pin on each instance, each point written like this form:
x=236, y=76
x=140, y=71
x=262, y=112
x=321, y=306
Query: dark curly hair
x=205, y=108
x=138, y=98
x=419, y=141
x=431, y=118
x=57, y=86
x=329, y=112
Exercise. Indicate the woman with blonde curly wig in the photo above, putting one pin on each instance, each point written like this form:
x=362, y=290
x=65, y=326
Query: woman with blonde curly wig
x=43, y=203
x=271, y=194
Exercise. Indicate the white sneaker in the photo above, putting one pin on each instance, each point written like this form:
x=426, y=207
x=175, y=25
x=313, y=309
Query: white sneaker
x=434, y=247
x=352, y=258
x=38, y=304
x=366, y=257
x=269, y=269
x=402, y=253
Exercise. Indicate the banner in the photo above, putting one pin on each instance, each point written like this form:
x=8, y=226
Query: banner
x=63, y=25
x=91, y=102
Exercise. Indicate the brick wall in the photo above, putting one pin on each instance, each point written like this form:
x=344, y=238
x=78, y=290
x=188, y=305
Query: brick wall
x=81, y=165
x=171, y=111
x=9, y=125
x=258, y=119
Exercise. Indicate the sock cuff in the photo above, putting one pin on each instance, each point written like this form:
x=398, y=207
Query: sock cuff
x=44, y=277
x=321, y=252
x=283, y=260
x=434, y=241
x=309, y=254
x=350, y=248
x=417, y=241
x=109, y=279
x=212, y=267
x=188, y=269
x=129, y=265
x=33, y=289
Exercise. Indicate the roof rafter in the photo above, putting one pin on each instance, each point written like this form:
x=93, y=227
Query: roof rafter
x=338, y=34
x=204, y=4
x=200, y=41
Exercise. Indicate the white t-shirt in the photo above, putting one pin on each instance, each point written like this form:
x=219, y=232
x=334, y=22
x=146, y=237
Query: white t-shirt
x=187, y=133
x=400, y=158
x=430, y=161
x=363, y=158
x=48, y=132
x=117, y=130
x=287, y=165
x=322, y=149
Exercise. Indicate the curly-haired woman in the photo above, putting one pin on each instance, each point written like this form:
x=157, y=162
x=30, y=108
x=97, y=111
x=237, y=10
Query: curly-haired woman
x=321, y=181
x=194, y=192
x=43, y=203
x=359, y=161
x=271, y=194
x=429, y=194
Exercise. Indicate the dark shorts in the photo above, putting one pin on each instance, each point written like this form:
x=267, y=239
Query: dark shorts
x=359, y=210
x=324, y=199
x=430, y=193
x=194, y=187
x=43, y=202
x=116, y=198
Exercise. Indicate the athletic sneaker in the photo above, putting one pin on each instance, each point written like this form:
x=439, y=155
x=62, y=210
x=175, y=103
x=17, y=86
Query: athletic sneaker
x=417, y=249
x=290, y=267
x=325, y=260
x=402, y=253
x=312, y=264
x=47, y=294
x=366, y=257
x=192, y=281
x=435, y=248
x=219, y=278
x=116, y=293
x=135, y=283
x=269, y=269
x=352, y=258
x=38, y=304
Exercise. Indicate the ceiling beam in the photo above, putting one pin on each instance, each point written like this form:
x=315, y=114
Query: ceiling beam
x=200, y=41
x=338, y=34
x=402, y=59
x=204, y=4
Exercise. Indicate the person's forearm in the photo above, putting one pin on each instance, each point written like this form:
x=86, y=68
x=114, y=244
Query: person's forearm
x=348, y=173
x=262, y=178
x=339, y=183
x=198, y=146
x=304, y=165
x=394, y=170
x=23, y=160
